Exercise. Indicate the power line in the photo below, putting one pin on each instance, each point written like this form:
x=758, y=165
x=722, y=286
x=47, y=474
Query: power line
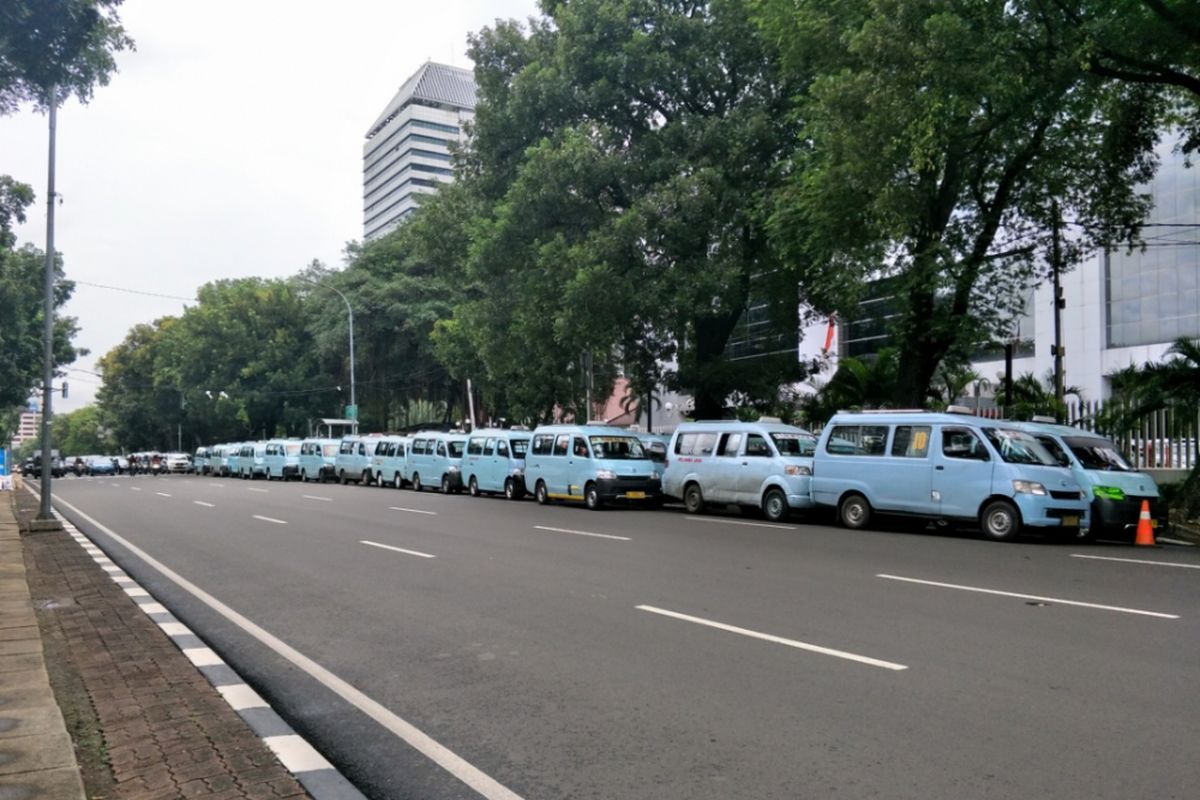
x=132, y=291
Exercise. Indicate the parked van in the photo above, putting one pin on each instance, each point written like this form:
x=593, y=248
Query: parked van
x=765, y=465
x=220, y=459
x=595, y=464
x=944, y=467
x=251, y=460
x=318, y=459
x=283, y=459
x=495, y=462
x=435, y=459
x=656, y=446
x=387, y=464
x=200, y=461
x=1115, y=489
x=353, y=462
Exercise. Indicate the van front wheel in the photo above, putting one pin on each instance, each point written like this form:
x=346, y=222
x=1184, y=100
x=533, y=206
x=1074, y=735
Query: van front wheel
x=540, y=494
x=775, y=505
x=591, y=497
x=397, y=481
x=416, y=482
x=693, y=499
x=510, y=489
x=1001, y=522
x=854, y=511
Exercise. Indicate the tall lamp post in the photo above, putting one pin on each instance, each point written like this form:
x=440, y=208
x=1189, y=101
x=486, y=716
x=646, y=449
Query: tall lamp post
x=350, y=315
x=45, y=514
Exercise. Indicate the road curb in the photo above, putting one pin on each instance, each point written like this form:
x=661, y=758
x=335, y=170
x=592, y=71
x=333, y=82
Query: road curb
x=318, y=777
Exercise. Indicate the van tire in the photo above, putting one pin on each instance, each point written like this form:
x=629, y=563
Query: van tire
x=446, y=484
x=397, y=481
x=510, y=489
x=1000, y=521
x=416, y=482
x=854, y=511
x=591, y=497
x=693, y=499
x=775, y=505
x=540, y=494
x=304, y=476
x=342, y=478
x=473, y=487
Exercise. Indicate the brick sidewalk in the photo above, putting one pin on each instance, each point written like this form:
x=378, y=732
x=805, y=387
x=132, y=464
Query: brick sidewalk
x=147, y=724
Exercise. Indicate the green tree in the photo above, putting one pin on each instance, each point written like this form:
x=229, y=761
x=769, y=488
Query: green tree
x=81, y=432
x=614, y=188
x=70, y=44
x=945, y=141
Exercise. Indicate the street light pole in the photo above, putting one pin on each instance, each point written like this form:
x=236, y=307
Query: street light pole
x=350, y=315
x=45, y=513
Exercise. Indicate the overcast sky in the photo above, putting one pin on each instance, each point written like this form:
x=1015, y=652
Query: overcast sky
x=229, y=144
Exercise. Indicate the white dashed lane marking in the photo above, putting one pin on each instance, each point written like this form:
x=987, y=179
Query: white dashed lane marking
x=264, y=491
x=1138, y=561
x=397, y=549
x=412, y=510
x=583, y=533
x=270, y=519
x=162, y=494
x=202, y=503
x=741, y=522
x=315, y=497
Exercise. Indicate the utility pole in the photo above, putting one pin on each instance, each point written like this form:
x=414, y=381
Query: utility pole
x=45, y=513
x=1059, y=304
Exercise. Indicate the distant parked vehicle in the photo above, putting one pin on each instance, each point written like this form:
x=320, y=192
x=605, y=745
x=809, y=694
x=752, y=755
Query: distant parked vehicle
x=387, y=463
x=318, y=459
x=592, y=464
x=250, y=460
x=101, y=465
x=177, y=462
x=435, y=459
x=495, y=462
x=282, y=459
x=353, y=462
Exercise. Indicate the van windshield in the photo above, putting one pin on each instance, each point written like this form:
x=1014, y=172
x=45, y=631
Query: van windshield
x=794, y=444
x=456, y=449
x=617, y=447
x=1096, y=453
x=519, y=447
x=1017, y=447
x=1055, y=449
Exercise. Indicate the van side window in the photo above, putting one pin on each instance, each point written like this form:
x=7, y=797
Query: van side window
x=347, y=448
x=730, y=443
x=581, y=448
x=757, y=446
x=696, y=444
x=657, y=451
x=502, y=448
x=963, y=443
x=543, y=443
x=857, y=440
x=381, y=449
x=400, y=449
x=911, y=441
x=441, y=448
x=561, y=444
x=474, y=447
x=489, y=447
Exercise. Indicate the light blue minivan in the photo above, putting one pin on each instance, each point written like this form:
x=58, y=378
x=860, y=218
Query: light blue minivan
x=760, y=465
x=318, y=459
x=353, y=461
x=595, y=464
x=387, y=465
x=435, y=459
x=282, y=459
x=952, y=467
x=1116, y=490
x=495, y=462
x=251, y=460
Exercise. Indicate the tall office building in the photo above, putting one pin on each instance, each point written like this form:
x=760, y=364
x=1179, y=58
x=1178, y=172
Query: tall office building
x=29, y=426
x=407, y=151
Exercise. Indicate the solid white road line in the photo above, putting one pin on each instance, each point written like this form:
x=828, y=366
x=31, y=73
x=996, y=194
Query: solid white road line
x=472, y=776
x=162, y=494
x=1038, y=598
x=812, y=648
x=412, y=510
x=1138, y=561
x=1165, y=540
x=397, y=549
x=270, y=519
x=136, y=488
x=202, y=503
x=315, y=497
x=583, y=533
x=250, y=489
x=741, y=522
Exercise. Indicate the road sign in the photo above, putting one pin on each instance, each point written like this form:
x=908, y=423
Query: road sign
x=3, y=461
x=352, y=411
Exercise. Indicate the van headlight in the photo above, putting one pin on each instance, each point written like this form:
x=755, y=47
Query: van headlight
x=605, y=475
x=1108, y=493
x=797, y=470
x=1029, y=487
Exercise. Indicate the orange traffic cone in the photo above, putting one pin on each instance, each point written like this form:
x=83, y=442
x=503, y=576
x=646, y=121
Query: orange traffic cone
x=1145, y=531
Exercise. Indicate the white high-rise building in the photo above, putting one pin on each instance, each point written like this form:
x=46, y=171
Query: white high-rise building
x=407, y=151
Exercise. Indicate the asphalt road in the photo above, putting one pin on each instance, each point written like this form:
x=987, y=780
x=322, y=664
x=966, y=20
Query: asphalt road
x=454, y=647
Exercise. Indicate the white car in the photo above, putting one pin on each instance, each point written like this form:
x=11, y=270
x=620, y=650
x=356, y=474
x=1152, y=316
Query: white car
x=178, y=462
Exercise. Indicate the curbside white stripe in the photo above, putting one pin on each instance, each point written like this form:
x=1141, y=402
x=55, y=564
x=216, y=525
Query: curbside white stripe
x=202, y=656
x=136, y=591
x=240, y=697
x=296, y=754
x=175, y=629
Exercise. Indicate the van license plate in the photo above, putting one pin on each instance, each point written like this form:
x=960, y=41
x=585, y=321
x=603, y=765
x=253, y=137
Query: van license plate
x=635, y=495
x=1068, y=522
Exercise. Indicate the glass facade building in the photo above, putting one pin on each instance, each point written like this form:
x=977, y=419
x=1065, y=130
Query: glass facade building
x=1153, y=293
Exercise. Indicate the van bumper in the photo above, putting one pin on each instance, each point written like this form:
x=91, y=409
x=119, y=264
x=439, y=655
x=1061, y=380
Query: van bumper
x=1037, y=512
x=644, y=490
